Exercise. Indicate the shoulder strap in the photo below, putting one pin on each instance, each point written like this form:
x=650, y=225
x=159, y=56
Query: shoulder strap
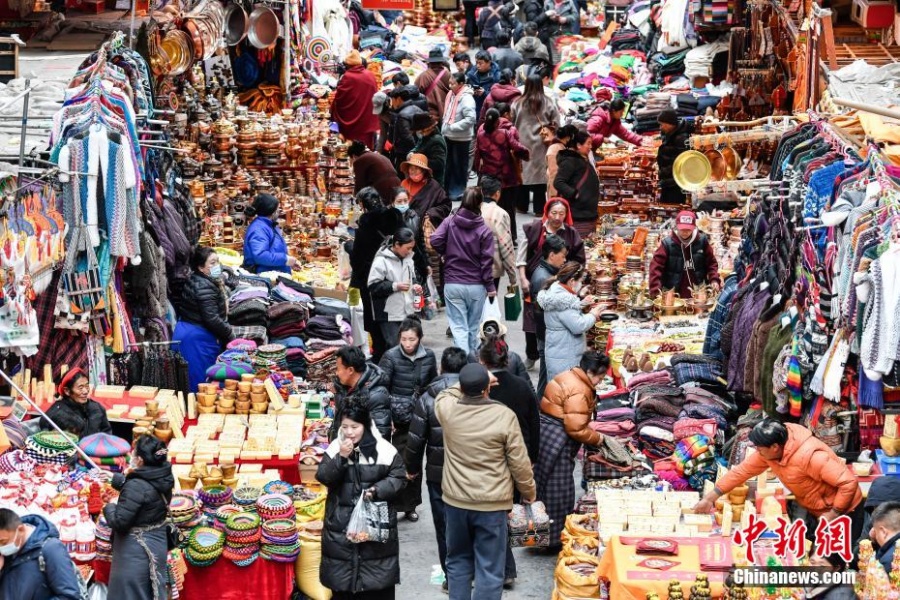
x=436, y=81
x=584, y=177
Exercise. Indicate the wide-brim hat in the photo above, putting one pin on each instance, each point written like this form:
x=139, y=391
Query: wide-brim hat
x=435, y=55
x=415, y=160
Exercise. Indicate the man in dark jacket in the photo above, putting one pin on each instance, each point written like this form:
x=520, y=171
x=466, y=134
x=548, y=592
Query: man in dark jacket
x=401, y=139
x=482, y=77
x=886, y=532
x=883, y=489
x=427, y=438
x=683, y=260
x=363, y=382
x=505, y=56
x=675, y=137
x=372, y=169
x=430, y=143
x=34, y=564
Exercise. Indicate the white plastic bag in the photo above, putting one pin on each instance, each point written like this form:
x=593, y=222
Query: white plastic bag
x=97, y=591
x=358, y=328
x=491, y=311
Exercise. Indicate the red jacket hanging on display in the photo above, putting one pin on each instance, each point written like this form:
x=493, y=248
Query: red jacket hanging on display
x=352, y=105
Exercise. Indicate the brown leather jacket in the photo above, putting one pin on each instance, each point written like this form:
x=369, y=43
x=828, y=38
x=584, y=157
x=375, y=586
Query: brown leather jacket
x=817, y=477
x=570, y=397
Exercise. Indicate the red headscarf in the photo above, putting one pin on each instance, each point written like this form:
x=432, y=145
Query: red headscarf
x=544, y=218
x=70, y=376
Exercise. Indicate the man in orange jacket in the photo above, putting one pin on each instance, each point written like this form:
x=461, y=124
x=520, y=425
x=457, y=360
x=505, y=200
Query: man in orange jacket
x=818, y=478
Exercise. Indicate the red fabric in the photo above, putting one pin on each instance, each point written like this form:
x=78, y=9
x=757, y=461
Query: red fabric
x=352, y=105
x=499, y=93
x=492, y=153
x=226, y=581
x=601, y=125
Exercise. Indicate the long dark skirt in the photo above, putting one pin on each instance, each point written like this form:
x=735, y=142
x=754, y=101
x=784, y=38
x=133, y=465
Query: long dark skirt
x=134, y=568
x=553, y=474
x=585, y=228
x=410, y=497
x=387, y=594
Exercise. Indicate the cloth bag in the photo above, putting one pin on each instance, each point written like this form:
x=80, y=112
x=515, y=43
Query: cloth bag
x=512, y=303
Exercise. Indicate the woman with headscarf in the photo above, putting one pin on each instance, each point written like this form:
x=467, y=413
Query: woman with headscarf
x=376, y=225
x=264, y=245
x=138, y=520
x=202, y=326
x=351, y=107
x=532, y=113
x=557, y=220
x=359, y=461
x=74, y=411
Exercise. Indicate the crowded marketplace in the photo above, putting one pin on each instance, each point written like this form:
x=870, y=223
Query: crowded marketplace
x=478, y=299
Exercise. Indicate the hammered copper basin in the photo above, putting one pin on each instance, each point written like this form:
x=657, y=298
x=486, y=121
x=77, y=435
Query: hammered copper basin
x=264, y=27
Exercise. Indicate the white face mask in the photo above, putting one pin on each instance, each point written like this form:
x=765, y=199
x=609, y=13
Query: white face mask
x=10, y=548
x=215, y=271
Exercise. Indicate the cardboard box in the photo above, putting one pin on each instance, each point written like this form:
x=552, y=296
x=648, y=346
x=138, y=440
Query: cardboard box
x=336, y=294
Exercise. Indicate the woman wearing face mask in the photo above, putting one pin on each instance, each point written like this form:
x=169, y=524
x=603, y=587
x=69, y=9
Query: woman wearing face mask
x=564, y=321
x=410, y=367
x=567, y=409
x=359, y=460
x=138, y=518
x=202, y=310
x=393, y=284
x=557, y=220
x=411, y=220
x=74, y=411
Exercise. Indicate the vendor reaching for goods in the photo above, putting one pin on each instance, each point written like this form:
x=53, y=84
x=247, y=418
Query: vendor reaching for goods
x=819, y=479
x=684, y=260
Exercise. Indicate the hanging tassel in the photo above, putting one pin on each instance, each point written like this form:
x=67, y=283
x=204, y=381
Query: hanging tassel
x=871, y=393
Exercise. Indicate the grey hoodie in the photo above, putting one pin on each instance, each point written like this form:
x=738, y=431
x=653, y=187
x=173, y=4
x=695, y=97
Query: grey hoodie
x=388, y=269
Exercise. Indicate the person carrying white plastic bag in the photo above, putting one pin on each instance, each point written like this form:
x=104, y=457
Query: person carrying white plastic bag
x=359, y=463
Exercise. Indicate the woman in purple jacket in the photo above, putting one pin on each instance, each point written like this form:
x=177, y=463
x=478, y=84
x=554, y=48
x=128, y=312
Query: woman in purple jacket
x=467, y=245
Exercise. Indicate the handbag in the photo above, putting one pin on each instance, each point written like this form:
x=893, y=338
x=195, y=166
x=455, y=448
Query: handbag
x=512, y=302
x=174, y=537
x=529, y=526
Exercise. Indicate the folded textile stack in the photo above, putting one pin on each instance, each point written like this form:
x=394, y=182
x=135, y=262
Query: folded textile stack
x=321, y=366
x=656, y=437
x=287, y=291
x=616, y=422
x=103, y=533
x=280, y=541
x=242, y=538
x=249, y=312
x=272, y=357
x=664, y=65
x=327, y=332
x=626, y=39
x=205, y=545
x=15, y=432
x=686, y=105
x=254, y=333
x=696, y=368
x=614, y=459
x=49, y=448
x=661, y=377
x=287, y=319
x=646, y=112
x=108, y=452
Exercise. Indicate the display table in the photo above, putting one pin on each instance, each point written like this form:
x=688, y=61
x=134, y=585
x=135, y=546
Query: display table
x=628, y=581
x=225, y=581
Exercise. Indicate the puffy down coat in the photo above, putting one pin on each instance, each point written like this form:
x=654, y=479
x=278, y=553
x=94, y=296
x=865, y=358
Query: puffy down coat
x=408, y=377
x=23, y=577
x=565, y=326
x=202, y=303
x=369, y=566
x=570, y=397
x=426, y=437
x=371, y=389
x=144, y=498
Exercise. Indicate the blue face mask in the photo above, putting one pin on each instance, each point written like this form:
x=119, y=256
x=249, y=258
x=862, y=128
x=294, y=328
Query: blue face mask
x=402, y=208
x=215, y=272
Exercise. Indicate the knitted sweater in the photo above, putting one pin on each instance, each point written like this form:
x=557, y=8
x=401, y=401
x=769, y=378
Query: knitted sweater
x=880, y=290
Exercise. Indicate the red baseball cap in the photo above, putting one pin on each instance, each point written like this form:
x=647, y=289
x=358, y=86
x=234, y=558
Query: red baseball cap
x=686, y=219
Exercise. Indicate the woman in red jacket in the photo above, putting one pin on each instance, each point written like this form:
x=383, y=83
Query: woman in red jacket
x=497, y=153
x=605, y=122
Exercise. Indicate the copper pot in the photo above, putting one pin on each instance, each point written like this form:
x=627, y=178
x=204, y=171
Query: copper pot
x=264, y=27
x=196, y=38
x=237, y=24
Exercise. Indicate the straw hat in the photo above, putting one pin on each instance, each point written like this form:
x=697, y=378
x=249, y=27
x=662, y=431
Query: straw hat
x=416, y=160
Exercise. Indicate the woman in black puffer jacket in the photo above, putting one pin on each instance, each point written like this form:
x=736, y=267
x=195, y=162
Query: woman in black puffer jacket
x=138, y=570
x=202, y=328
x=410, y=367
x=359, y=460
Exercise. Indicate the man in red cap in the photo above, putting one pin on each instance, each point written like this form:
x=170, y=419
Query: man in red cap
x=684, y=259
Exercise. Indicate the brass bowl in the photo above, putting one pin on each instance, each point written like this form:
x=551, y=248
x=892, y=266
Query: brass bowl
x=692, y=170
